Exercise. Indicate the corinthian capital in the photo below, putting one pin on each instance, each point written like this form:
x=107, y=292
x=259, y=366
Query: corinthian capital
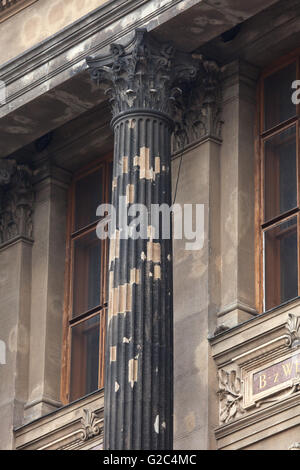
x=143, y=75
x=16, y=201
x=7, y=168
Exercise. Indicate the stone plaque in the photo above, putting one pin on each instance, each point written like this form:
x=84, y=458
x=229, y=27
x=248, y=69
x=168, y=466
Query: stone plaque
x=276, y=375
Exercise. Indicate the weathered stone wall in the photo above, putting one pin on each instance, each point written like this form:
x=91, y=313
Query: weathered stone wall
x=39, y=21
x=15, y=295
x=196, y=291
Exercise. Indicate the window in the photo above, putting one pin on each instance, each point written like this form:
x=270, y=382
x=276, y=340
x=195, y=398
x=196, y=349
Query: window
x=278, y=187
x=86, y=285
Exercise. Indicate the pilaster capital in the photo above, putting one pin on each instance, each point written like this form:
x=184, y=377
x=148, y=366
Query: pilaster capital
x=16, y=201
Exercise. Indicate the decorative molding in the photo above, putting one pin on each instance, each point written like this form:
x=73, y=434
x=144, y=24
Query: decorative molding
x=147, y=74
x=230, y=396
x=9, y=8
x=77, y=426
x=199, y=116
x=293, y=328
x=144, y=75
x=91, y=424
x=295, y=446
x=16, y=201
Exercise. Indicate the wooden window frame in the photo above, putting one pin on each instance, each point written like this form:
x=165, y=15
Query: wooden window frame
x=69, y=320
x=261, y=136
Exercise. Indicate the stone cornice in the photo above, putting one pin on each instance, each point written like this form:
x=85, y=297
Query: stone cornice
x=9, y=8
x=77, y=33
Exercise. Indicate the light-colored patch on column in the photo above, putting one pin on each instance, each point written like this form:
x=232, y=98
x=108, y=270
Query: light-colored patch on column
x=127, y=340
x=151, y=232
x=114, y=183
x=135, y=276
x=125, y=165
x=130, y=193
x=157, y=165
x=156, y=424
x=113, y=353
x=157, y=272
x=154, y=252
x=169, y=257
x=131, y=123
x=115, y=246
x=143, y=161
x=117, y=386
x=143, y=256
x=133, y=371
x=120, y=300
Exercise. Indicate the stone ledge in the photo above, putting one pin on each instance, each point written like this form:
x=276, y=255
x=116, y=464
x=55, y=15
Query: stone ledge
x=259, y=380
x=78, y=425
x=263, y=424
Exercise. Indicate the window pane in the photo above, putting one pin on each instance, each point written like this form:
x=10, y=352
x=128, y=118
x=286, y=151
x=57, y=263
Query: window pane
x=87, y=273
x=278, y=96
x=88, y=196
x=84, y=358
x=280, y=173
x=281, y=266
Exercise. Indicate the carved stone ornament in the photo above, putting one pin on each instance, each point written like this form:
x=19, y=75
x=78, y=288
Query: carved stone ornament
x=143, y=75
x=293, y=328
x=91, y=425
x=201, y=107
x=230, y=396
x=16, y=201
x=295, y=446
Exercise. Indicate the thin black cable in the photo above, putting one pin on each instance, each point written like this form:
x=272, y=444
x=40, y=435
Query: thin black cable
x=176, y=187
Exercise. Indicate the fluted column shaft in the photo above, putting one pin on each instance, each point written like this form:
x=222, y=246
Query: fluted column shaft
x=139, y=369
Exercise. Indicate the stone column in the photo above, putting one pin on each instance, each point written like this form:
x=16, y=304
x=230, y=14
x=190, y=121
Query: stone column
x=142, y=80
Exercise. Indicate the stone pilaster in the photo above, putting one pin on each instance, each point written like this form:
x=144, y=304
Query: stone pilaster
x=143, y=81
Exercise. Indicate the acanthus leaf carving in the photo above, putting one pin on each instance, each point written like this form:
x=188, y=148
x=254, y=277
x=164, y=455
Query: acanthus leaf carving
x=16, y=201
x=230, y=396
x=293, y=328
x=199, y=115
x=91, y=425
x=143, y=75
x=294, y=446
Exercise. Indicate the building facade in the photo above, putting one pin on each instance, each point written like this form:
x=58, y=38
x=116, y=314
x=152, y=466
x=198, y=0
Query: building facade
x=186, y=103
